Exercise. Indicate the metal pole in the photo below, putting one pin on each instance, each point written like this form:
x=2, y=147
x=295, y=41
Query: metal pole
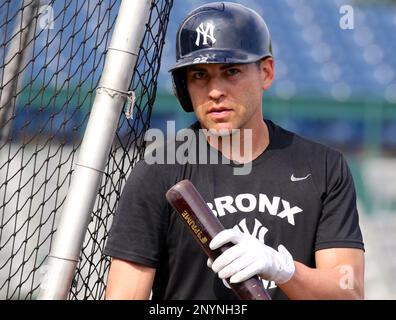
x=102, y=125
x=23, y=33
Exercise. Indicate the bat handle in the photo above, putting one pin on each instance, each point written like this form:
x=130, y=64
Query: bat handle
x=250, y=289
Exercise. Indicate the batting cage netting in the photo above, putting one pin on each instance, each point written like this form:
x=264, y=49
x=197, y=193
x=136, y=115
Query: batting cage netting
x=51, y=59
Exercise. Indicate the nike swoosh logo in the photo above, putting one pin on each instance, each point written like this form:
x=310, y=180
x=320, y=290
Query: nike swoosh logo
x=294, y=179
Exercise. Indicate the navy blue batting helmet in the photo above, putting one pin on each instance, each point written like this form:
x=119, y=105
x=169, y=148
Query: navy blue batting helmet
x=219, y=32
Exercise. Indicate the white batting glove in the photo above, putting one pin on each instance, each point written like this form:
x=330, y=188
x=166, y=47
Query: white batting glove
x=249, y=257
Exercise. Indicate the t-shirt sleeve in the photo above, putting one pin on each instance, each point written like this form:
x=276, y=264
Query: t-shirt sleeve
x=339, y=222
x=137, y=232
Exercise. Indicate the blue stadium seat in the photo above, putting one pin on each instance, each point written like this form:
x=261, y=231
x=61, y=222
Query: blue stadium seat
x=295, y=52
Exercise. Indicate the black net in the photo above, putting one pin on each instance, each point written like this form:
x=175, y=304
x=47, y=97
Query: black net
x=51, y=59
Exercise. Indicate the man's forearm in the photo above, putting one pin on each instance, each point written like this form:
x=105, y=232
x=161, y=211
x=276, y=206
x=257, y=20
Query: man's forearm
x=129, y=281
x=331, y=283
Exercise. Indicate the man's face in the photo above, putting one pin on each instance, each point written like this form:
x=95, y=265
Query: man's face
x=227, y=96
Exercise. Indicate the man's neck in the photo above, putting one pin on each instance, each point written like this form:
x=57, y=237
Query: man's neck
x=243, y=145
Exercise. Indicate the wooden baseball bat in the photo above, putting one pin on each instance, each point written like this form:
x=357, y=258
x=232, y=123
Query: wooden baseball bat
x=204, y=225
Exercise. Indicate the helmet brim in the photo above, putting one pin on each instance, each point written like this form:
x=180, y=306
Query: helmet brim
x=214, y=55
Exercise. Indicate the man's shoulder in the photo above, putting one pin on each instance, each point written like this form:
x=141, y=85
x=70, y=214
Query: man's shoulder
x=173, y=148
x=297, y=142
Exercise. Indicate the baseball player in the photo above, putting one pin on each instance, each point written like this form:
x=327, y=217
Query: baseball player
x=292, y=217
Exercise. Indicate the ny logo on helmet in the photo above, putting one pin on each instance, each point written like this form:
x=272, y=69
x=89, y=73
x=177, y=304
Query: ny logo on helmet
x=205, y=33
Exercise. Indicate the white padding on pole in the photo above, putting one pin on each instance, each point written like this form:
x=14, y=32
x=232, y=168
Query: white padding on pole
x=102, y=125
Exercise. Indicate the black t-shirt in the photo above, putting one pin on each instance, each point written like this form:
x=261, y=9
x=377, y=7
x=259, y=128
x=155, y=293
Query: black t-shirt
x=298, y=193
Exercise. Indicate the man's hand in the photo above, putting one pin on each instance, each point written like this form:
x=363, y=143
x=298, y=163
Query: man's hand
x=249, y=257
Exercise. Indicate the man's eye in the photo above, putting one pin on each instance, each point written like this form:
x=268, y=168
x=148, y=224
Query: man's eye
x=232, y=71
x=198, y=75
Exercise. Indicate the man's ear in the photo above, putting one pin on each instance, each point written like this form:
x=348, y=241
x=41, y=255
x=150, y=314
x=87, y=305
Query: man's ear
x=267, y=72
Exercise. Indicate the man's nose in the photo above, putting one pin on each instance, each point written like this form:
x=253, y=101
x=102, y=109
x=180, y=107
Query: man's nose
x=216, y=89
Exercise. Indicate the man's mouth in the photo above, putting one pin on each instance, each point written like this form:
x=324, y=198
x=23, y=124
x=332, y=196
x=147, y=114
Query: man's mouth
x=219, y=112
